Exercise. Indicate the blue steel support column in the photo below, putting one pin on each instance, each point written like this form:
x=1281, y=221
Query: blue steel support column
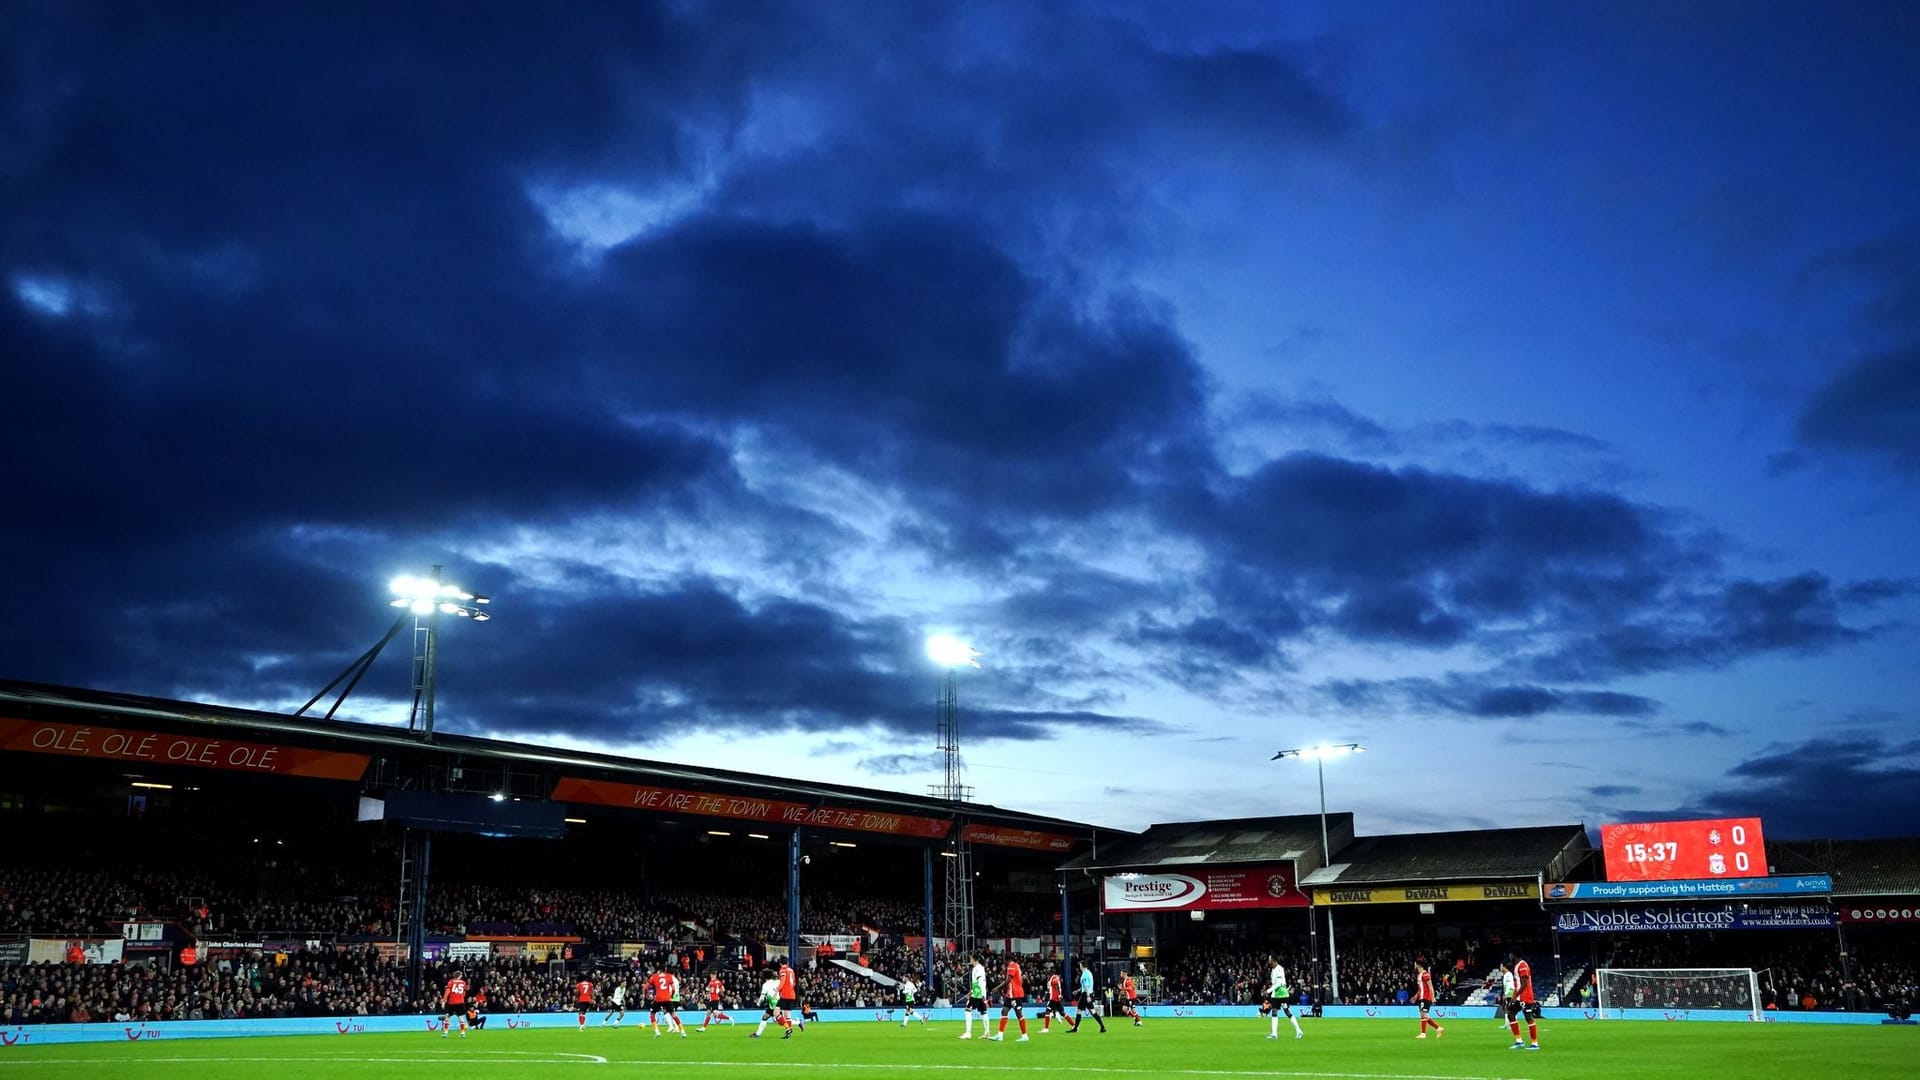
x=927, y=857
x=422, y=842
x=793, y=901
x=1066, y=942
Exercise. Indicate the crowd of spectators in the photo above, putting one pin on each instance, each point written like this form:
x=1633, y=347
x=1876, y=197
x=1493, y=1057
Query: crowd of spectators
x=1795, y=971
x=354, y=982
x=347, y=901
x=361, y=981
x=1371, y=973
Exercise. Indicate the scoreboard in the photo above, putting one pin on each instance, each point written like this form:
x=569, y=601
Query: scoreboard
x=1667, y=850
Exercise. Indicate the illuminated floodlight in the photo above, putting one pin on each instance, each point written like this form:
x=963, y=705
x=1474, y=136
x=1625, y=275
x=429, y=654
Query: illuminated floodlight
x=1318, y=754
x=1322, y=751
x=950, y=652
x=424, y=596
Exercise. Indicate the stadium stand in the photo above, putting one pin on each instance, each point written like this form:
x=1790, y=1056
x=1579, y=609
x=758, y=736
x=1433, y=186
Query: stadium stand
x=291, y=905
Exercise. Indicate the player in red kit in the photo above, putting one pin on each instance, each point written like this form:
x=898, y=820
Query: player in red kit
x=1423, y=997
x=583, y=1000
x=665, y=988
x=1014, y=999
x=714, y=989
x=454, y=1003
x=1056, y=1005
x=789, y=1000
x=1131, y=995
x=1523, y=1004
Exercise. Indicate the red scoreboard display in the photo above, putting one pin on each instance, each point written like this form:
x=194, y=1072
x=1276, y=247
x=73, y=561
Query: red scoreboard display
x=1684, y=850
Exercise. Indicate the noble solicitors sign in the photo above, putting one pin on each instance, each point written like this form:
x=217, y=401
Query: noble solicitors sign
x=1628, y=918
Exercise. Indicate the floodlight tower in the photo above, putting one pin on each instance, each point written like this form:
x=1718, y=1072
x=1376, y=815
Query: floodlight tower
x=952, y=654
x=1319, y=754
x=429, y=598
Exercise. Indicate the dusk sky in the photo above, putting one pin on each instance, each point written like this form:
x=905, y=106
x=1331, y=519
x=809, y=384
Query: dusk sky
x=1529, y=392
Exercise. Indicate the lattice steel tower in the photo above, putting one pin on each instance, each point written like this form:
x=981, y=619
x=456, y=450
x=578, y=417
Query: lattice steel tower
x=952, y=654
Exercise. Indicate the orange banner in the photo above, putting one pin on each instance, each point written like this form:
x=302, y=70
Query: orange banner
x=161, y=748
x=746, y=808
x=1020, y=838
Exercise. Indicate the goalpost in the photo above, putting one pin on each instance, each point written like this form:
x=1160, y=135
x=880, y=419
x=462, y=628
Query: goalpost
x=1678, y=988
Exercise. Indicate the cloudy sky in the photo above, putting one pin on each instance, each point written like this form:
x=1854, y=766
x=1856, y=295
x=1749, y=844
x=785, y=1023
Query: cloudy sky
x=1529, y=392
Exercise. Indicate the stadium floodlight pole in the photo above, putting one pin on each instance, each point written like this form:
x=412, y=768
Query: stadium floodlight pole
x=1320, y=753
x=951, y=654
x=429, y=598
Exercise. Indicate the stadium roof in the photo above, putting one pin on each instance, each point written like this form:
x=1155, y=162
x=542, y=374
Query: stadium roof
x=1236, y=841
x=1889, y=867
x=525, y=769
x=1481, y=854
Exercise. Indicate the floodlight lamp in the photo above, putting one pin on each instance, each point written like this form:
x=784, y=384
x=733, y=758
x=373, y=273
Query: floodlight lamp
x=1321, y=752
x=423, y=607
x=497, y=797
x=481, y=616
x=448, y=608
x=402, y=585
x=949, y=651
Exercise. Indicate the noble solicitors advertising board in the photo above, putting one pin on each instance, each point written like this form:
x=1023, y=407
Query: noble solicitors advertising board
x=1628, y=918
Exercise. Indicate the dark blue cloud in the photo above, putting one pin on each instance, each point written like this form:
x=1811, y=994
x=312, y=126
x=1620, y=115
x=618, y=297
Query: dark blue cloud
x=1843, y=785
x=1804, y=614
x=900, y=764
x=1870, y=408
x=1613, y=791
x=284, y=296
x=1478, y=697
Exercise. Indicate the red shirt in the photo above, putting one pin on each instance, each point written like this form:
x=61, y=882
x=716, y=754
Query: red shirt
x=1016, y=985
x=1424, y=992
x=456, y=991
x=1053, y=988
x=714, y=986
x=1126, y=986
x=583, y=990
x=786, y=982
x=1523, y=975
x=662, y=984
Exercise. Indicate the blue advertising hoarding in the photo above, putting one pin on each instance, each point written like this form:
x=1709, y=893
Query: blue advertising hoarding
x=1692, y=889
x=1665, y=917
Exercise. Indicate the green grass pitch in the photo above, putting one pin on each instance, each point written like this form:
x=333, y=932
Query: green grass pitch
x=1169, y=1049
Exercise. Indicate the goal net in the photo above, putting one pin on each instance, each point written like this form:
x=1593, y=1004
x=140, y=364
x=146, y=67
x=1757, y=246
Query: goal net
x=1678, y=988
